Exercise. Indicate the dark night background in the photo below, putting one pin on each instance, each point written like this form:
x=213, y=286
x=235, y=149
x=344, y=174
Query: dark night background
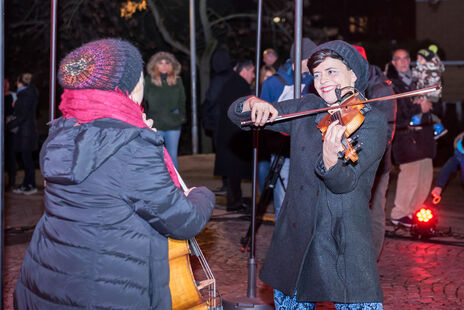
x=379, y=26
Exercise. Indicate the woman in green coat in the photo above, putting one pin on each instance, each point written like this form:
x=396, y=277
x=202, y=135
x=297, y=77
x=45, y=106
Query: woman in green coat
x=165, y=99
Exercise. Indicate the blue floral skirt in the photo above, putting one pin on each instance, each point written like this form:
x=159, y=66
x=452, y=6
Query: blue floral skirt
x=284, y=302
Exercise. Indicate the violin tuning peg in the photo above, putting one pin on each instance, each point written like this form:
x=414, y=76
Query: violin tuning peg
x=358, y=147
x=354, y=140
x=341, y=154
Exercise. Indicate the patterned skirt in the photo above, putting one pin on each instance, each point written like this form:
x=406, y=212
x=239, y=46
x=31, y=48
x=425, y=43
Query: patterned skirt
x=284, y=302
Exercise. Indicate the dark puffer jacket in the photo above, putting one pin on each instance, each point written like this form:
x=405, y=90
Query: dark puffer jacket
x=110, y=205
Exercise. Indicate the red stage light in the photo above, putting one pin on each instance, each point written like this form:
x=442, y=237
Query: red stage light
x=424, y=222
x=424, y=215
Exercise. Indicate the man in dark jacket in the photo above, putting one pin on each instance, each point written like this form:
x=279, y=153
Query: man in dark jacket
x=111, y=200
x=233, y=146
x=222, y=67
x=26, y=138
x=321, y=248
x=413, y=147
x=379, y=86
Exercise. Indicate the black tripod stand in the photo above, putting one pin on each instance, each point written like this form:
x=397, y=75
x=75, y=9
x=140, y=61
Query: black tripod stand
x=265, y=198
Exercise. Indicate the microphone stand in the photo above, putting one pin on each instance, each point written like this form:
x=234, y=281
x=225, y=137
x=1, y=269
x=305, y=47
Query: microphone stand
x=251, y=301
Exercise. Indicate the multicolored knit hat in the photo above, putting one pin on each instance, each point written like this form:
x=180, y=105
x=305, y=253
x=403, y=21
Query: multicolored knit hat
x=107, y=64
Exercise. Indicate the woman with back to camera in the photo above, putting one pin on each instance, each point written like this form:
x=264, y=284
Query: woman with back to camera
x=111, y=200
x=165, y=99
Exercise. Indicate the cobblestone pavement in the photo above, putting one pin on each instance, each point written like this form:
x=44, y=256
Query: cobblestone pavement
x=414, y=274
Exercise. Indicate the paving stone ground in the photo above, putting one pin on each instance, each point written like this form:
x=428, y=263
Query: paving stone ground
x=415, y=274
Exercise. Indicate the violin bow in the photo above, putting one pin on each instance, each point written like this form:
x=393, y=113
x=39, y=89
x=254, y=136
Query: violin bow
x=315, y=111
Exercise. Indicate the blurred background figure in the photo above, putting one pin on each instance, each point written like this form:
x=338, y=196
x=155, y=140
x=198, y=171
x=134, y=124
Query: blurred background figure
x=24, y=127
x=222, y=71
x=379, y=86
x=233, y=152
x=428, y=72
x=413, y=147
x=270, y=58
x=280, y=87
x=10, y=156
x=265, y=72
x=164, y=96
x=454, y=163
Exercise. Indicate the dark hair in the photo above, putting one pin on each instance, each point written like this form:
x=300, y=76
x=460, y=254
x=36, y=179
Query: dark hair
x=398, y=49
x=318, y=57
x=25, y=78
x=241, y=64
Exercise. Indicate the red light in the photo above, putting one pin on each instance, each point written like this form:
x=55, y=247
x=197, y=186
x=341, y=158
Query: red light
x=424, y=215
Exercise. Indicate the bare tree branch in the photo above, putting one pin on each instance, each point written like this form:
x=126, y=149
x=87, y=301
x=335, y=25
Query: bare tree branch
x=205, y=21
x=162, y=29
x=30, y=23
x=232, y=16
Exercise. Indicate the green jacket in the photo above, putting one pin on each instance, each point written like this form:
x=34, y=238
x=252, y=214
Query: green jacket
x=165, y=105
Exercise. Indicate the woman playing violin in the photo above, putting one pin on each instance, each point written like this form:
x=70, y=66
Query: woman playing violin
x=321, y=249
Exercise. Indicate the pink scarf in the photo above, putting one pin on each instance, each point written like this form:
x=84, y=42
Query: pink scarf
x=87, y=105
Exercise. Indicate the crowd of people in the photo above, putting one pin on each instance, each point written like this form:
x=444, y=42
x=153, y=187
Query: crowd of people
x=113, y=198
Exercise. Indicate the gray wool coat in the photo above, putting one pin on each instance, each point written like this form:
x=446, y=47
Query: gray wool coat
x=322, y=247
x=110, y=206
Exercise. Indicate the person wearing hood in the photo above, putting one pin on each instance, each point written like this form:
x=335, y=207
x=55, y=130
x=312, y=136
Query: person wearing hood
x=210, y=115
x=111, y=197
x=164, y=95
x=321, y=249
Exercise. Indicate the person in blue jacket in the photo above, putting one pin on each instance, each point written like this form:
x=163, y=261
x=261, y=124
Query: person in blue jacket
x=280, y=87
x=111, y=200
x=453, y=164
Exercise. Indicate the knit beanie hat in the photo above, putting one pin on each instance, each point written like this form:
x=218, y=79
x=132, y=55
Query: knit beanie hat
x=429, y=52
x=107, y=64
x=352, y=58
x=307, y=47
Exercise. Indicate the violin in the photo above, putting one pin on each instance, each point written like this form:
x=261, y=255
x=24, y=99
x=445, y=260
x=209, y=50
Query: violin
x=350, y=113
x=310, y=112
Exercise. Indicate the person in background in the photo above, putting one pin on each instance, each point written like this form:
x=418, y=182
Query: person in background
x=10, y=154
x=266, y=72
x=279, y=87
x=233, y=146
x=413, y=147
x=379, y=86
x=428, y=72
x=165, y=99
x=453, y=164
x=270, y=57
x=223, y=69
x=321, y=248
x=112, y=198
x=24, y=125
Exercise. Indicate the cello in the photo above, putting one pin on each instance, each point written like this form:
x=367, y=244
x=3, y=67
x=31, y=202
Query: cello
x=185, y=290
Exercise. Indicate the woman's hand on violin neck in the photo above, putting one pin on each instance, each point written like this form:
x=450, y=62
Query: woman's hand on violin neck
x=332, y=144
x=261, y=110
